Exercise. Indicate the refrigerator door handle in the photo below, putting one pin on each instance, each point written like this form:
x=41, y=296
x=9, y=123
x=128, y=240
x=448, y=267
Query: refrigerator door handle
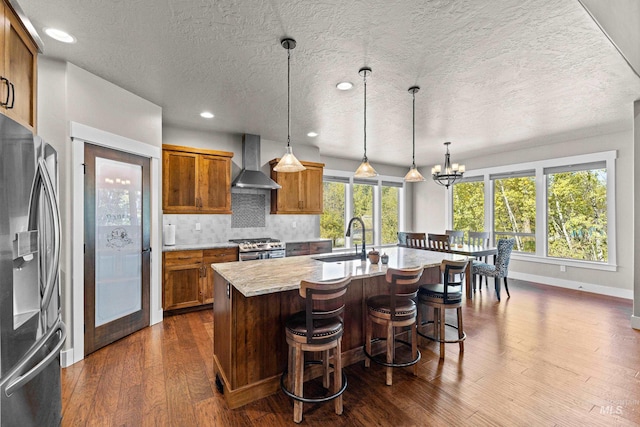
x=43, y=180
x=16, y=379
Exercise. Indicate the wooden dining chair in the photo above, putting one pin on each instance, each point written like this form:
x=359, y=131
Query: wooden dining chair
x=438, y=242
x=455, y=237
x=481, y=239
x=416, y=240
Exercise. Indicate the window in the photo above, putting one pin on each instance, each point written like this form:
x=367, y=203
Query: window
x=363, y=208
x=468, y=206
x=560, y=210
x=577, y=212
x=514, y=215
x=332, y=219
x=378, y=202
x=390, y=212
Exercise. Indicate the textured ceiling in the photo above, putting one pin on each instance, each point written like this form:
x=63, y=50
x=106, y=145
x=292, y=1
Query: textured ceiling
x=491, y=73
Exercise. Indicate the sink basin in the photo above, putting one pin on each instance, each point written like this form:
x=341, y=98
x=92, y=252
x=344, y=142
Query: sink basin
x=338, y=257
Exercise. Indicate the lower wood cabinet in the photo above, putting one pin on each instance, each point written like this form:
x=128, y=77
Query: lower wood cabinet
x=309, y=248
x=188, y=276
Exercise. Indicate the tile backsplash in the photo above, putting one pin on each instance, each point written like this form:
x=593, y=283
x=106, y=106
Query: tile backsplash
x=245, y=222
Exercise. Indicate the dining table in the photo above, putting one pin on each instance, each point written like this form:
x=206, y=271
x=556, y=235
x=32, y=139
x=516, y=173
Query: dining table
x=472, y=251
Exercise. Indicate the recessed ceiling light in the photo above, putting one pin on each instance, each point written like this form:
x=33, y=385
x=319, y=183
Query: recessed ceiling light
x=312, y=134
x=61, y=36
x=344, y=85
x=207, y=115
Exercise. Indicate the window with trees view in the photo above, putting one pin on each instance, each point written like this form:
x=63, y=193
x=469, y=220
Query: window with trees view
x=390, y=206
x=557, y=208
x=376, y=201
x=577, y=212
x=363, y=208
x=514, y=214
x=332, y=219
x=468, y=206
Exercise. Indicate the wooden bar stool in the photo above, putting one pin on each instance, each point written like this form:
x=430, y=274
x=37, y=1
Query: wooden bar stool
x=442, y=296
x=397, y=309
x=318, y=328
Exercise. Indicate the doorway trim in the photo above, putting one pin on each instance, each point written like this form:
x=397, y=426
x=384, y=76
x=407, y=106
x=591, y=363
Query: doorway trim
x=81, y=134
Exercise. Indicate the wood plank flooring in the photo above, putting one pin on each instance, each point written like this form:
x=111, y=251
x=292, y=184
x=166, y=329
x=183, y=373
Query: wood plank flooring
x=545, y=357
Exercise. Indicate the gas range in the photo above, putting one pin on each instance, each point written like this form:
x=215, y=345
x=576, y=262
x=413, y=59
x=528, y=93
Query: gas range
x=260, y=248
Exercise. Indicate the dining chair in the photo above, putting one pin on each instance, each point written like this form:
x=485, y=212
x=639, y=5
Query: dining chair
x=501, y=267
x=455, y=237
x=416, y=240
x=481, y=239
x=438, y=242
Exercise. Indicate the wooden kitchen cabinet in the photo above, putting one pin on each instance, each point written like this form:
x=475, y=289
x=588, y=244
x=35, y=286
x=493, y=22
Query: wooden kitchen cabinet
x=301, y=192
x=195, y=180
x=188, y=276
x=309, y=248
x=18, y=69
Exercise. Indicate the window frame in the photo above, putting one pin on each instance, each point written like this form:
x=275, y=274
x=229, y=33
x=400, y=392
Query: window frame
x=377, y=183
x=539, y=167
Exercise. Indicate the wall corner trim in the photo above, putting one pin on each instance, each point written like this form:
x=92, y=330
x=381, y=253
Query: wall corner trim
x=635, y=322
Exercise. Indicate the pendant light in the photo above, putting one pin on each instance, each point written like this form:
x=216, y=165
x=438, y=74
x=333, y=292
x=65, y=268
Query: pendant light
x=288, y=162
x=365, y=170
x=413, y=175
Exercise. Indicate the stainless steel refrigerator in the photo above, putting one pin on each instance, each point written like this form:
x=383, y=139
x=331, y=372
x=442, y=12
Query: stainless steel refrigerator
x=31, y=328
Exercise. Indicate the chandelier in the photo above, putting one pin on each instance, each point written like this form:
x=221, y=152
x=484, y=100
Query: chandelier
x=448, y=174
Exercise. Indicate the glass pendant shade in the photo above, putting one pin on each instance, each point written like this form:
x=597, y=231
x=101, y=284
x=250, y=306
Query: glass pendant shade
x=413, y=175
x=289, y=163
x=365, y=170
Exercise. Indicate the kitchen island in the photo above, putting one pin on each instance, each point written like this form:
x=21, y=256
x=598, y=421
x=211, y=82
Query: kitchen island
x=253, y=300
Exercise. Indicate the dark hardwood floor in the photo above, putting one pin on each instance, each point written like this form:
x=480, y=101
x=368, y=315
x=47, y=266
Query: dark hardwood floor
x=546, y=356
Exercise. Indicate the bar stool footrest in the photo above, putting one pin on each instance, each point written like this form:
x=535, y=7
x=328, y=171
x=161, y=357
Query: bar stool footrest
x=313, y=399
x=432, y=338
x=379, y=361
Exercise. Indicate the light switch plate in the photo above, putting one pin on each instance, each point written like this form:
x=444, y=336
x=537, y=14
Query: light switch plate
x=197, y=226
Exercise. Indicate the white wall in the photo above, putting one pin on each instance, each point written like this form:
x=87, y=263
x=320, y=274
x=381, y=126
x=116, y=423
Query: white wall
x=68, y=93
x=635, y=320
x=431, y=198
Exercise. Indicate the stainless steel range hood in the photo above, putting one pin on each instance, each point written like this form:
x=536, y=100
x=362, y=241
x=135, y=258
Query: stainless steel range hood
x=251, y=176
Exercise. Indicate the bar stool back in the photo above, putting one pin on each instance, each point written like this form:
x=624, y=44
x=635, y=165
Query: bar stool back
x=396, y=309
x=318, y=328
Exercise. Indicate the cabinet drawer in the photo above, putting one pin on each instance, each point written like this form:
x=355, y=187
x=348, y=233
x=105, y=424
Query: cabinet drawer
x=320, y=247
x=182, y=257
x=220, y=255
x=296, y=249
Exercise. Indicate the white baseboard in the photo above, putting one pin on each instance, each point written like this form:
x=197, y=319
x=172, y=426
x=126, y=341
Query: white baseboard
x=66, y=358
x=156, y=317
x=571, y=284
x=635, y=322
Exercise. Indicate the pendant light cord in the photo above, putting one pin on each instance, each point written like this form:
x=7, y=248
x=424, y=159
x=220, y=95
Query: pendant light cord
x=414, y=131
x=365, y=116
x=288, y=97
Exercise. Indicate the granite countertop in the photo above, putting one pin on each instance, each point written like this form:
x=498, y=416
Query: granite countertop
x=197, y=246
x=267, y=276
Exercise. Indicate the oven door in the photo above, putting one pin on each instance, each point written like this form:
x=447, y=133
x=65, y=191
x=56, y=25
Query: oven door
x=279, y=253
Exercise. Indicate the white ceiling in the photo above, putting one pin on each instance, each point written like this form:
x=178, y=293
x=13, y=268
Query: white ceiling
x=490, y=72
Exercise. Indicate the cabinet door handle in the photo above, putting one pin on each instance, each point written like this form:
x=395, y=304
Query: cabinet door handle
x=13, y=96
x=204, y=271
x=6, y=82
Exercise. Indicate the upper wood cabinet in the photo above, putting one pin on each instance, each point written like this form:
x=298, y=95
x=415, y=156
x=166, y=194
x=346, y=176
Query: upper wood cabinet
x=195, y=180
x=301, y=192
x=18, y=69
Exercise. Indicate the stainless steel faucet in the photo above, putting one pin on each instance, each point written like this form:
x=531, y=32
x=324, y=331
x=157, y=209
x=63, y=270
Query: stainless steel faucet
x=363, y=255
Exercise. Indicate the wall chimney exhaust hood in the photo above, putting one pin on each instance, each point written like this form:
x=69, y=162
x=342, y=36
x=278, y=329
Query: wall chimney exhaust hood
x=251, y=176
